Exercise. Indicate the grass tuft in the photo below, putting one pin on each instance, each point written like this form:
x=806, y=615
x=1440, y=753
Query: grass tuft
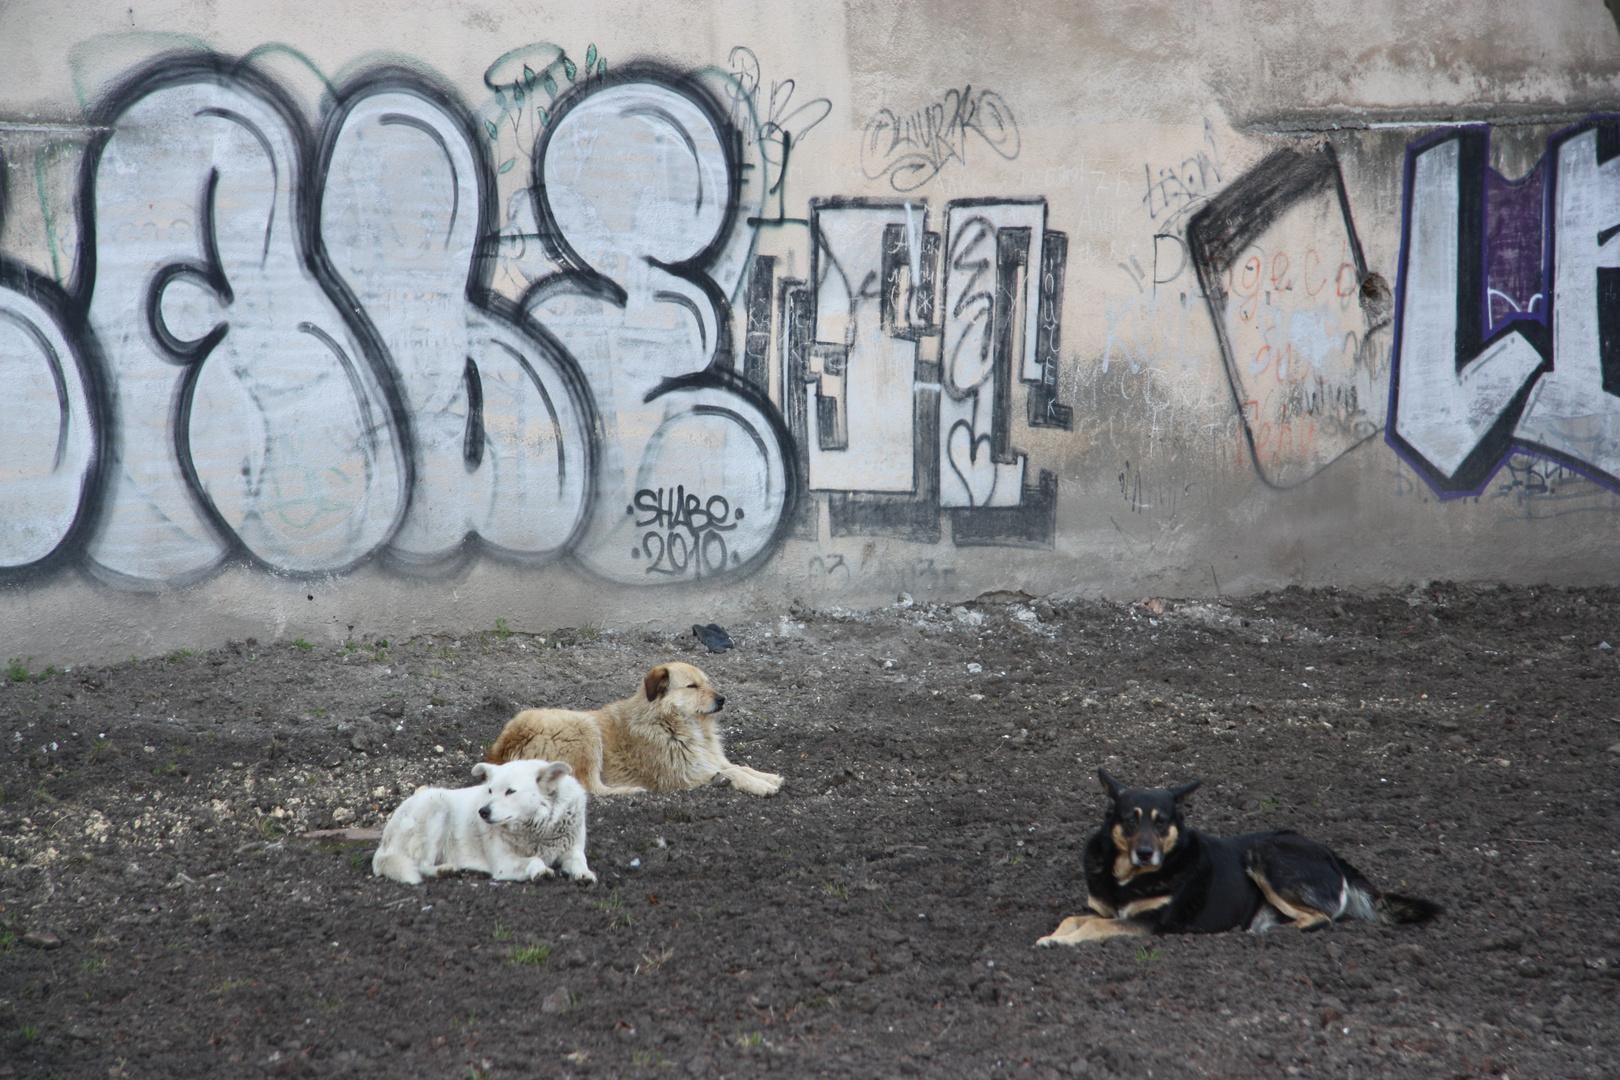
x=529, y=954
x=614, y=906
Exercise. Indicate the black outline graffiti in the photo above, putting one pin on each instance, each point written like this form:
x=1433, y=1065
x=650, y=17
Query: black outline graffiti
x=1233, y=219
x=1043, y=409
x=797, y=319
x=916, y=514
x=69, y=308
x=909, y=515
x=578, y=276
x=1030, y=524
x=778, y=128
x=480, y=294
x=188, y=68
x=757, y=322
x=59, y=306
x=578, y=271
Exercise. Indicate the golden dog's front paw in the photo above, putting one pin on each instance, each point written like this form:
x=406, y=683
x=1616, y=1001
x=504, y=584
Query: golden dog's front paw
x=757, y=783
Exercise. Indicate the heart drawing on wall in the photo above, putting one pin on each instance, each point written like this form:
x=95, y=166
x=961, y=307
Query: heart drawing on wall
x=976, y=470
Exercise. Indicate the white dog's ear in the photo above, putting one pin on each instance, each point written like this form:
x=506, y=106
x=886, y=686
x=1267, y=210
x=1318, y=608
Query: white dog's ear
x=555, y=772
x=480, y=771
x=657, y=682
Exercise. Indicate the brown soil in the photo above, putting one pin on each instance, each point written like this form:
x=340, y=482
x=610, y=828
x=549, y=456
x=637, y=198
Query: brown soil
x=875, y=918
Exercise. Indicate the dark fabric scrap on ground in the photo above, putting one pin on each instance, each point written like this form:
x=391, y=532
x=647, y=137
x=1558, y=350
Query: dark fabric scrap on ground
x=712, y=636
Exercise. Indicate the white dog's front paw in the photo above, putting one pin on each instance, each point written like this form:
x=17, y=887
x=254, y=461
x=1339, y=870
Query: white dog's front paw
x=760, y=783
x=536, y=869
x=574, y=866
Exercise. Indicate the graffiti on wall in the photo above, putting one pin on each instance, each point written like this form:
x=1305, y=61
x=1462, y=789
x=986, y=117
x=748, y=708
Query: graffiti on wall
x=1283, y=276
x=898, y=321
x=911, y=150
x=1508, y=309
x=419, y=333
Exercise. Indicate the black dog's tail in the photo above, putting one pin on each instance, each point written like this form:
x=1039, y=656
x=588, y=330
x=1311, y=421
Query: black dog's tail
x=1391, y=909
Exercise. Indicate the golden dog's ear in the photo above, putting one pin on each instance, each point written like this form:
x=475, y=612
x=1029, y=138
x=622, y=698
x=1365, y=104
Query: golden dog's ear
x=657, y=682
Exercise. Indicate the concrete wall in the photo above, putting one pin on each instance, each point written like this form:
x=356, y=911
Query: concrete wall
x=381, y=318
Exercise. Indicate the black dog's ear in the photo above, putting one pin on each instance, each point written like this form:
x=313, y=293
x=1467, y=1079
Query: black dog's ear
x=656, y=683
x=1179, y=793
x=1114, y=788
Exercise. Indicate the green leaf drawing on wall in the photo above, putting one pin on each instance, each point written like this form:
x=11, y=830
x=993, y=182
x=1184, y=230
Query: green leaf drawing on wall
x=590, y=58
x=569, y=69
x=506, y=166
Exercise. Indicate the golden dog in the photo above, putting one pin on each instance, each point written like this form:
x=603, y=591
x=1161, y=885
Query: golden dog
x=662, y=739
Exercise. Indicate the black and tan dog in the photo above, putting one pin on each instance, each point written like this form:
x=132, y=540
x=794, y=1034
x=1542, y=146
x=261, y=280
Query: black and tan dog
x=1147, y=873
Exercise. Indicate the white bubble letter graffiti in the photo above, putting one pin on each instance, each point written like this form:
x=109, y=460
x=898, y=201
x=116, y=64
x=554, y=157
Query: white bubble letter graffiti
x=248, y=410
x=501, y=436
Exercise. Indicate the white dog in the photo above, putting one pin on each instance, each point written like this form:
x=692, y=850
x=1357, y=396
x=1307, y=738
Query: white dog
x=524, y=818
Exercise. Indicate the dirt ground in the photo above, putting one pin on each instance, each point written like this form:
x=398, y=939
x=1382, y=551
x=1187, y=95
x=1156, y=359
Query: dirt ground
x=161, y=913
